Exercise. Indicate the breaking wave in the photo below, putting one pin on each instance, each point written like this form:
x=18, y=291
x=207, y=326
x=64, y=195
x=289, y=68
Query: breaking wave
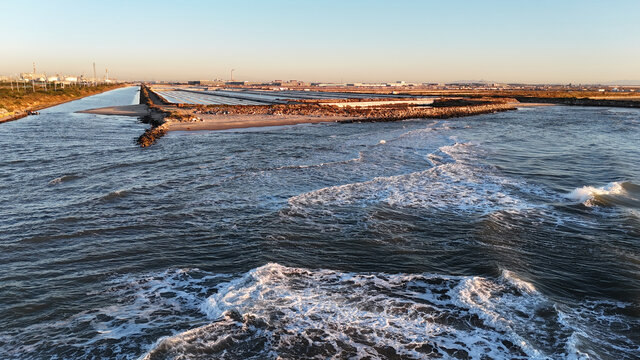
x=147, y=307
x=456, y=182
x=116, y=194
x=281, y=312
x=625, y=194
x=63, y=178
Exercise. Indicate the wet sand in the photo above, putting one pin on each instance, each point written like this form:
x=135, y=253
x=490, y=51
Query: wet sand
x=128, y=110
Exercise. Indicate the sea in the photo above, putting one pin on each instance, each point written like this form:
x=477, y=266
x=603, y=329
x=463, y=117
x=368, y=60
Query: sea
x=513, y=235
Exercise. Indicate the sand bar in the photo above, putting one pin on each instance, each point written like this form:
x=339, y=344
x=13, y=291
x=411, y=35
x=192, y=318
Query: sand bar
x=128, y=110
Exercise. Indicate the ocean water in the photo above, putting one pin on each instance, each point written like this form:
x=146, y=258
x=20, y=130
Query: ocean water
x=502, y=236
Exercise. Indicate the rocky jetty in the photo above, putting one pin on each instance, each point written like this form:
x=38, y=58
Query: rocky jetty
x=441, y=109
x=155, y=118
x=151, y=135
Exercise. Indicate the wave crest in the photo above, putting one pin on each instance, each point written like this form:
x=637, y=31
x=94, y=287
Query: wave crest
x=63, y=178
x=275, y=311
x=281, y=312
x=613, y=194
x=456, y=182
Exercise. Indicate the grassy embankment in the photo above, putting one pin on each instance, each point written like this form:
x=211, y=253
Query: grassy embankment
x=15, y=103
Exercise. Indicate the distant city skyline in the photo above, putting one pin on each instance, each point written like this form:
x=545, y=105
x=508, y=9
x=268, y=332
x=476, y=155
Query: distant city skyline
x=329, y=41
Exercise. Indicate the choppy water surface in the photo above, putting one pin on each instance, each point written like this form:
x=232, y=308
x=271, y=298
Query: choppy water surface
x=505, y=236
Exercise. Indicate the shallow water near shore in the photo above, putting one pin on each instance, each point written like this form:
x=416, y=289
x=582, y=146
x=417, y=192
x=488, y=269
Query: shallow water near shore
x=512, y=235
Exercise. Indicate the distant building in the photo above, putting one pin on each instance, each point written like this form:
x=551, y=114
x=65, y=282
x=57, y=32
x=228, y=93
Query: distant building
x=286, y=83
x=236, y=83
x=327, y=85
x=216, y=82
x=206, y=82
x=32, y=76
x=295, y=83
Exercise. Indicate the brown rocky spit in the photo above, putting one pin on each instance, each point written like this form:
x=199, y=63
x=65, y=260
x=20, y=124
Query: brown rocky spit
x=164, y=117
x=188, y=117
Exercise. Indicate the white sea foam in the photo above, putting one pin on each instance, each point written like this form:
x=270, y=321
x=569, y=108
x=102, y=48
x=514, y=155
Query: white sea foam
x=586, y=194
x=615, y=194
x=146, y=307
x=56, y=181
x=456, y=182
x=281, y=312
x=116, y=194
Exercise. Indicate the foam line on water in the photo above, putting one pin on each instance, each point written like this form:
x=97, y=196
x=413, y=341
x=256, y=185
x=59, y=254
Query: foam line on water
x=456, y=182
x=147, y=306
x=276, y=311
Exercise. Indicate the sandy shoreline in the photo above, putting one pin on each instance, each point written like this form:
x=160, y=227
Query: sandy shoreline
x=127, y=110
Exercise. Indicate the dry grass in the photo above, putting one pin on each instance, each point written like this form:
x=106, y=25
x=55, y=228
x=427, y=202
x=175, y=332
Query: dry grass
x=27, y=100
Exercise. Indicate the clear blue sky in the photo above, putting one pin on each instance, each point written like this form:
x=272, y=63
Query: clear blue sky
x=528, y=41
